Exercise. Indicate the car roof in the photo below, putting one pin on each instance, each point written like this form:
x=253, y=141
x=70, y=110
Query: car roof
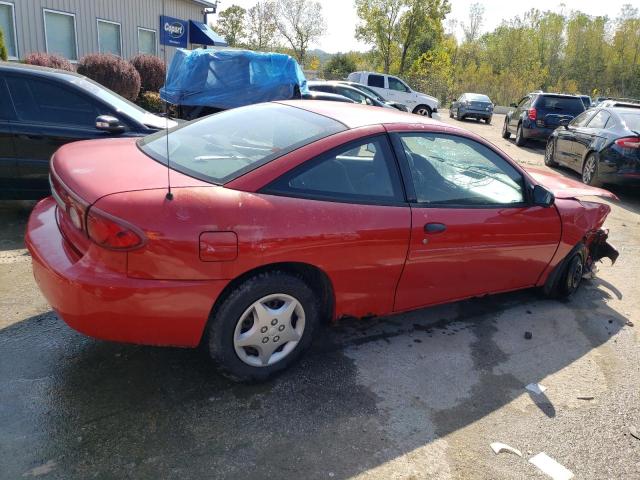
x=38, y=70
x=355, y=115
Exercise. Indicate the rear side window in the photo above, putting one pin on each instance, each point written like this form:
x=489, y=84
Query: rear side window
x=224, y=146
x=359, y=172
x=599, y=120
x=561, y=104
x=376, y=81
x=631, y=120
x=41, y=101
x=395, y=84
x=581, y=120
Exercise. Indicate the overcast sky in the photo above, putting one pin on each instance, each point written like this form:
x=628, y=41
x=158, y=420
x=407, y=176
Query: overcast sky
x=341, y=16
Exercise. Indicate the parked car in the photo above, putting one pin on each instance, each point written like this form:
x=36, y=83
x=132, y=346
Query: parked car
x=358, y=96
x=41, y=109
x=373, y=93
x=586, y=100
x=325, y=96
x=472, y=105
x=602, y=144
x=620, y=102
x=286, y=215
x=396, y=90
x=537, y=115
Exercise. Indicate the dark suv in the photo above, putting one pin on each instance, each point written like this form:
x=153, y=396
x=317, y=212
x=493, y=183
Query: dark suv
x=42, y=109
x=537, y=115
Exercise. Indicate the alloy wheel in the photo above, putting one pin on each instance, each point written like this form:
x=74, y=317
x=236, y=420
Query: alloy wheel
x=269, y=330
x=589, y=170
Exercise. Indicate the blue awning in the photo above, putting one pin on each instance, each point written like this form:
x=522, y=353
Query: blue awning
x=201, y=34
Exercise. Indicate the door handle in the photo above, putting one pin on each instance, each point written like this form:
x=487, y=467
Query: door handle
x=434, y=228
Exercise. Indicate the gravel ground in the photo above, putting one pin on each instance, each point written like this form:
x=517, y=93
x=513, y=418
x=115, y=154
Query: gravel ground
x=413, y=396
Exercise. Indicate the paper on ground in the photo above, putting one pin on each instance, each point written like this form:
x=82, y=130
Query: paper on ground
x=536, y=388
x=552, y=468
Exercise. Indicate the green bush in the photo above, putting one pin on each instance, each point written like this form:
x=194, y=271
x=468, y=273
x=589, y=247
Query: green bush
x=113, y=72
x=151, y=102
x=3, y=50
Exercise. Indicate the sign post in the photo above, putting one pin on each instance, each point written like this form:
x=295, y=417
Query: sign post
x=173, y=32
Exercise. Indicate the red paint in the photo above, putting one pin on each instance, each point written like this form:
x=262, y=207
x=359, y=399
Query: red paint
x=374, y=256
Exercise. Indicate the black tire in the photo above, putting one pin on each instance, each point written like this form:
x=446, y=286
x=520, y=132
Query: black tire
x=450, y=113
x=423, y=110
x=571, y=277
x=505, y=130
x=488, y=121
x=520, y=140
x=590, y=171
x=226, y=316
x=549, y=154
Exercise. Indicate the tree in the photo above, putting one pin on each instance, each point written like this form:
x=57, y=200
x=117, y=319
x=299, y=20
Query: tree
x=472, y=29
x=261, y=25
x=380, y=26
x=300, y=22
x=230, y=25
x=339, y=67
x=3, y=50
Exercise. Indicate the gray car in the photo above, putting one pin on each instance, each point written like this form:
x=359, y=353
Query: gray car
x=472, y=105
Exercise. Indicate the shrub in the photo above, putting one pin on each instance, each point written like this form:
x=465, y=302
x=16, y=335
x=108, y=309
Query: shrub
x=48, y=60
x=3, y=50
x=152, y=71
x=113, y=72
x=151, y=101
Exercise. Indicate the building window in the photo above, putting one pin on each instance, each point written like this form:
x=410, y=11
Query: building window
x=109, y=39
x=147, y=41
x=60, y=34
x=8, y=27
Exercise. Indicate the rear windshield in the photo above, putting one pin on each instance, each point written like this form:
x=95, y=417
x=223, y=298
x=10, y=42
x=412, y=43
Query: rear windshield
x=477, y=97
x=221, y=147
x=631, y=120
x=564, y=104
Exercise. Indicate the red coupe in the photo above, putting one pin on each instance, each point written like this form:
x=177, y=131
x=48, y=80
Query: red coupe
x=283, y=215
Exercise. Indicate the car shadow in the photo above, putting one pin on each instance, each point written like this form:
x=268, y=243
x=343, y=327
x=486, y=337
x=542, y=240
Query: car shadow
x=103, y=409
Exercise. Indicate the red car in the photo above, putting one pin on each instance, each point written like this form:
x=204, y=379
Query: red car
x=283, y=215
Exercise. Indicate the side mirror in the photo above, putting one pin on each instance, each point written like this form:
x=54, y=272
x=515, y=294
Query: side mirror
x=514, y=105
x=542, y=197
x=564, y=122
x=110, y=124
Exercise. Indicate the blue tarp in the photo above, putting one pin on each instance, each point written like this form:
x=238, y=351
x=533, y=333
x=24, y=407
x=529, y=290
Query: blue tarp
x=231, y=78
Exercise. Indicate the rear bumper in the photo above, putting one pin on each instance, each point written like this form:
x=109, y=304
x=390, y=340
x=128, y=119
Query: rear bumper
x=108, y=305
x=537, y=133
x=476, y=113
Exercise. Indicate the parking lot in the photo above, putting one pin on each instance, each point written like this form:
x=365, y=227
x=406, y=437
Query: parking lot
x=413, y=396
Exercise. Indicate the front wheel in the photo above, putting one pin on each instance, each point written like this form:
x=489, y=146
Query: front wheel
x=590, y=171
x=450, y=113
x=488, y=120
x=549, y=154
x=505, y=130
x=262, y=326
x=423, y=110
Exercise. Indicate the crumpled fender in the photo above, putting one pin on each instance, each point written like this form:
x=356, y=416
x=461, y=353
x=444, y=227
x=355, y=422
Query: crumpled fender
x=563, y=187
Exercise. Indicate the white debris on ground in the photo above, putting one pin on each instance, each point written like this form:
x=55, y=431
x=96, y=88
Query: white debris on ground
x=549, y=466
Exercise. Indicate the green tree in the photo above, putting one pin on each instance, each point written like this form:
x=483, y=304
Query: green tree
x=231, y=24
x=300, y=22
x=379, y=27
x=3, y=50
x=261, y=25
x=340, y=66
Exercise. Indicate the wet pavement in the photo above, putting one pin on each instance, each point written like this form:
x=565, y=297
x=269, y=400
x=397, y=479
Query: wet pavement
x=413, y=396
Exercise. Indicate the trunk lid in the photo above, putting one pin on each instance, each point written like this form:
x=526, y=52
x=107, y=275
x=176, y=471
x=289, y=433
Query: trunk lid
x=563, y=187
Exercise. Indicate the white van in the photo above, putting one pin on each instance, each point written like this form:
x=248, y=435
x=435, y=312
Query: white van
x=395, y=90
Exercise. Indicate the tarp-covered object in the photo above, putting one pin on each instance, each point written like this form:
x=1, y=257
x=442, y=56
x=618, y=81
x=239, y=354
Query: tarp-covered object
x=231, y=78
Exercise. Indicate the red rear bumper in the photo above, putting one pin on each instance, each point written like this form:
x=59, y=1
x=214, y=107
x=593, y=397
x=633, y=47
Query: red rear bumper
x=105, y=303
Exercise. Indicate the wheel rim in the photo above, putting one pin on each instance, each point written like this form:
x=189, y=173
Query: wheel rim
x=575, y=275
x=548, y=154
x=269, y=330
x=589, y=170
x=519, y=134
x=422, y=111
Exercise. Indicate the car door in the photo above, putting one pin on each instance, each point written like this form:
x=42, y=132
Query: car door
x=8, y=169
x=456, y=105
x=48, y=115
x=588, y=134
x=400, y=92
x=565, y=151
x=356, y=216
x=523, y=105
x=474, y=231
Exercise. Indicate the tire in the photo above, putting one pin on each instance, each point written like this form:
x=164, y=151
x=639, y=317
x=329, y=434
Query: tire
x=423, y=110
x=450, y=113
x=505, y=130
x=256, y=306
x=571, y=277
x=590, y=171
x=549, y=153
x=488, y=121
x=520, y=140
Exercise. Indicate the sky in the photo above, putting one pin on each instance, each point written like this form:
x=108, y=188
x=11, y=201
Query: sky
x=341, y=16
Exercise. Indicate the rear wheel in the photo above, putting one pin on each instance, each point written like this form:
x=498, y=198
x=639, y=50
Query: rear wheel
x=520, y=140
x=590, y=171
x=450, y=113
x=505, y=130
x=262, y=326
x=488, y=120
x=423, y=110
x=572, y=276
x=549, y=153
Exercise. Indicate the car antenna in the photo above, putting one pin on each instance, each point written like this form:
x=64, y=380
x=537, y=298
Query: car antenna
x=169, y=195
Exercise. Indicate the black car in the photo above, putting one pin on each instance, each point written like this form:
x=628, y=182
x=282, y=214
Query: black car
x=336, y=88
x=398, y=106
x=326, y=96
x=538, y=114
x=472, y=105
x=42, y=109
x=603, y=144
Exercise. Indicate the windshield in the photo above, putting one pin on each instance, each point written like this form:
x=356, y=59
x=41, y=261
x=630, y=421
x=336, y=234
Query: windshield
x=631, y=120
x=477, y=97
x=370, y=91
x=224, y=146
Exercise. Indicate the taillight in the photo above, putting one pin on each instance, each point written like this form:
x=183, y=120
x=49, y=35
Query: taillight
x=111, y=232
x=69, y=203
x=628, y=142
x=533, y=114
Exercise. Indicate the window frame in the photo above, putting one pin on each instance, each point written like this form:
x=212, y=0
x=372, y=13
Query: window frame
x=75, y=30
x=104, y=20
x=155, y=39
x=15, y=30
x=395, y=176
x=406, y=87
x=407, y=175
x=384, y=82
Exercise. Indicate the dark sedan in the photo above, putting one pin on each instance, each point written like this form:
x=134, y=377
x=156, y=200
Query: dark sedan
x=364, y=88
x=603, y=144
x=357, y=95
x=472, y=105
x=41, y=109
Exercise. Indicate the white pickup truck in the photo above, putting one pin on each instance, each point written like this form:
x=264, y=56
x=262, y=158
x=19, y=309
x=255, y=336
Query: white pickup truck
x=395, y=90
